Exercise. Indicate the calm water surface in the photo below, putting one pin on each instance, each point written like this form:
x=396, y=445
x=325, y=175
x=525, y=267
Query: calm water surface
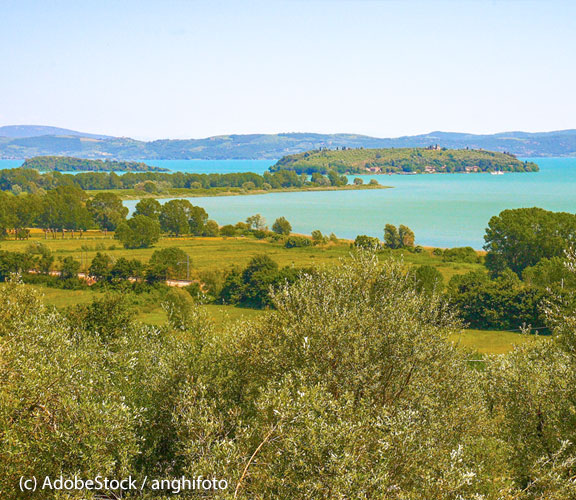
x=443, y=210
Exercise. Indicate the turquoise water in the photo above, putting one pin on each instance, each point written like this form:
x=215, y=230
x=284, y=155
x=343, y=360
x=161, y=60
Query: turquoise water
x=213, y=166
x=443, y=210
x=192, y=166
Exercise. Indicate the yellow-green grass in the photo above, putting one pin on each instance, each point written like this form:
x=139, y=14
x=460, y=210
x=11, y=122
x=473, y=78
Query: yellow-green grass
x=154, y=314
x=220, y=252
x=221, y=316
x=493, y=341
x=480, y=341
x=65, y=298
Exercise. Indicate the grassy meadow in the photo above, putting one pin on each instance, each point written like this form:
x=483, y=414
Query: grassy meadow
x=214, y=253
x=220, y=252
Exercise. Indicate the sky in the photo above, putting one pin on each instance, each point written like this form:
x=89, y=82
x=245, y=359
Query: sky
x=194, y=68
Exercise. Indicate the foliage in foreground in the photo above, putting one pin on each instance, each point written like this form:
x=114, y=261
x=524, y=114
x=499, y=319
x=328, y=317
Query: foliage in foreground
x=349, y=389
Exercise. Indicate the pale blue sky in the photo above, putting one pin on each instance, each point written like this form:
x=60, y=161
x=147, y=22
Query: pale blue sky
x=178, y=69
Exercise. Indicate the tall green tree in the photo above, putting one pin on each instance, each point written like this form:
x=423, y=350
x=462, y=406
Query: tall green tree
x=197, y=220
x=65, y=208
x=101, y=266
x=149, y=207
x=391, y=236
x=520, y=238
x=139, y=232
x=282, y=226
x=406, y=236
x=174, y=217
x=168, y=263
x=256, y=222
x=107, y=210
x=181, y=217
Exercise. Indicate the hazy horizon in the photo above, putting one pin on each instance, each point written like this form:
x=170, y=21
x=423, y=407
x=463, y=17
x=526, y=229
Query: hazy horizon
x=104, y=133
x=178, y=69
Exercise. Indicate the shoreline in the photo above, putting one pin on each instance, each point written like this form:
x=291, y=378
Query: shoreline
x=194, y=193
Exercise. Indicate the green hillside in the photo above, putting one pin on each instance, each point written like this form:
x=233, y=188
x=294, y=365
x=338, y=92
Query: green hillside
x=402, y=160
x=26, y=142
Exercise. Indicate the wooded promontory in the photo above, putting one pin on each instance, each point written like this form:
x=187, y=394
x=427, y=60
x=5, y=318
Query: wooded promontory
x=71, y=164
x=402, y=160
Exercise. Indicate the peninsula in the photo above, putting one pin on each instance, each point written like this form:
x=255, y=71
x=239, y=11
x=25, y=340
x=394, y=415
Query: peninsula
x=431, y=160
x=135, y=185
x=71, y=164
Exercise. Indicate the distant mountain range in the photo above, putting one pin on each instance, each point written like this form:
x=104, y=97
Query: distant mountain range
x=19, y=131
x=26, y=141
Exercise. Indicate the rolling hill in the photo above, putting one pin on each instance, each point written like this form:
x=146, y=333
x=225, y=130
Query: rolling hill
x=21, y=142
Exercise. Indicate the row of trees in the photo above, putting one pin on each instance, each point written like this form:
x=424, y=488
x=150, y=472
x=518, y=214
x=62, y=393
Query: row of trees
x=63, y=208
x=27, y=180
x=38, y=260
x=69, y=208
x=394, y=238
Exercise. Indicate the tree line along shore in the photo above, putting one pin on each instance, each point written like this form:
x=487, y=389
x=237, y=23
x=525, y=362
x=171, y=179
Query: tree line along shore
x=159, y=184
x=506, y=291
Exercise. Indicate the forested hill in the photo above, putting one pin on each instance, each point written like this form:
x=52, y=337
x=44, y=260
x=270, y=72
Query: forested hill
x=404, y=160
x=69, y=164
x=42, y=141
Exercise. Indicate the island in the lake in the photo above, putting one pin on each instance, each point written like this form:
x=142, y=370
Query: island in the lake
x=71, y=164
x=430, y=160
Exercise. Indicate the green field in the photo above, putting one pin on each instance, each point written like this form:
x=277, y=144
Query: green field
x=479, y=341
x=218, y=253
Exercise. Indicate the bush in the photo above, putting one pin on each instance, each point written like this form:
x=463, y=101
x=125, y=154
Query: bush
x=211, y=229
x=228, y=230
x=297, y=242
x=138, y=232
x=167, y=263
x=282, y=226
x=460, y=254
x=428, y=279
x=367, y=242
x=260, y=234
x=318, y=238
x=504, y=303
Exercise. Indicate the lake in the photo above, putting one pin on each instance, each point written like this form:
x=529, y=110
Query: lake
x=444, y=210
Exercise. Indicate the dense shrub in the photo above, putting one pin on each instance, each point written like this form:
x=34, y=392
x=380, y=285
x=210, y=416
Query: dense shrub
x=297, y=242
x=367, y=242
x=460, y=254
x=504, y=303
x=350, y=388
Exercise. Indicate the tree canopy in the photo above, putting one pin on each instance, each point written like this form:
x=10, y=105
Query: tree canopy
x=400, y=160
x=519, y=238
